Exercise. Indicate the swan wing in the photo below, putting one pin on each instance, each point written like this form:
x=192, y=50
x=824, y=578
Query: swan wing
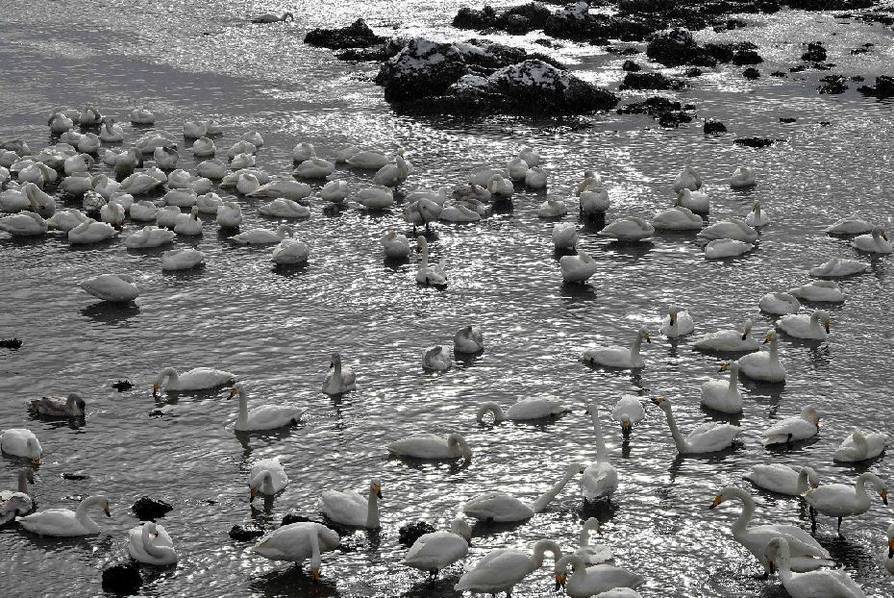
x=599, y=480
x=202, y=378
x=712, y=436
x=497, y=506
x=421, y=446
x=436, y=550
x=268, y=417
x=53, y=522
x=347, y=507
x=499, y=569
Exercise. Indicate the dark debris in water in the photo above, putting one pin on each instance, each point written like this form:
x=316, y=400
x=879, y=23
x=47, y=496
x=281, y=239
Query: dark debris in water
x=411, y=532
x=75, y=476
x=122, y=385
x=10, y=343
x=246, y=532
x=149, y=509
x=121, y=578
x=755, y=142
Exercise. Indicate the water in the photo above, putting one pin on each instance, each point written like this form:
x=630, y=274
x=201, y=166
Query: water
x=275, y=330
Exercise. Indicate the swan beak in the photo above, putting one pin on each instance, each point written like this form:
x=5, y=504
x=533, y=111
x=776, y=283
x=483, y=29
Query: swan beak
x=625, y=428
x=560, y=581
x=656, y=400
x=673, y=319
x=315, y=574
x=724, y=366
x=891, y=548
x=252, y=492
x=716, y=502
x=827, y=325
x=771, y=565
x=155, y=388
x=766, y=340
x=648, y=339
x=106, y=510
x=745, y=336
x=233, y=393
x=884, y=495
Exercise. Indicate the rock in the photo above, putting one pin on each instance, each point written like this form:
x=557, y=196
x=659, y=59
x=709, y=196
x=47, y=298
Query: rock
x=677, y=47
x=122, y=385
x=884, y=86
x=469, y=18
x=672, y=120
x=751, y=73
x=10, y=343
x=293, y=517
x=628, y=51
x=75, y=476
x=693, y=72
x=778, y=74
x=816, y=52
x=714, y=127
x=745, y=56
x=824, y=123
x=536, y=83
x=150, y=509
x=649, y=81
x=857, y=78
x=756, y=142
x=797, y=68
x=356, y=35
x=787, y=119
x=244, y=533
x=409, y=533
x=630, y=66
x=828, y=4
x=524, y=18
x=668, y=113
x=739, y=53
x=833, y=84
x=423, y=68
x=122, y=578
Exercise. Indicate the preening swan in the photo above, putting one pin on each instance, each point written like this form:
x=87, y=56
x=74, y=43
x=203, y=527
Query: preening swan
x=150, y=544
x=188, y=224
x=293, y=190
x=729, y=341
x=876, y=242
x=628, y=229
x=793, y=429
x=284, y=208
x=142, y=116
x=593, y=196
x=689, y=178
x=779, y=303
x=523, y=410
x=825, y=582
x=600, y=479
x=182, y=259
x=499, y=507
x=619, y=357
x=697, y=202
x=844, y=500
x=678, y=323
x=592, y=554
x=262, y=417
x=709, y=437
x=351, y=509
x=432, y=446
x=229, y=215
x=24, y=477
x=261, y=236
x=24, y=224
x=91, y=231
x=298, y=542
x=65, y=522
x=500, y=570
x=436, y=359
x=500, y=187
x=267, y=477
x=437, y=550
x=335, y=191
x=586, y=581
x=577, y=269
x=742, y=178
x=721, y=395
x=377, y=197
x=517, y=168
x=314, y=168
x=860, y=446
x=71, y=406
x=810, y=326
x=290, y=252
x=21, y=442
x=628, y=411
x=808, y=553
x=783, y=479
x=468, y=340
x=429, y=274
x=116, y=288
x=112, y=213
x=725, y=248
x=764, y=365
x=195, y=379
x=340, y=379
x=368, y=160
x=819, y=291
x=393, y=174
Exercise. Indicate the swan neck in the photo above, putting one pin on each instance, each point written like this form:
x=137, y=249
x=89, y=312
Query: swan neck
x=542, y=547
x=544, y=499
x=493, y=408
x=601, y=452
x=634, y=348
x=81, y=512
x=679, y=441
x=747, y=512
x=262, y=478
x=23, y=482
x=243, y=407
x=150, y=548
x=372, y=510
x=733, y=380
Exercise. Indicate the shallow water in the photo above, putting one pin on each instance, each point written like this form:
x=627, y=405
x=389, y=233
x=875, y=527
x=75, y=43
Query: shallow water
x=276, y=329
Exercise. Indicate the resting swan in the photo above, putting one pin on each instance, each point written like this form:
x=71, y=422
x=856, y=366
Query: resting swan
x=709, y=437
x=150, y=544
x=729, y=341
x=793, y=429
x=586, y=581
x=71, y=406
x=820, y=291
x=396, y=245
x=340, y=379
x=619, y=357
x=678, y=323
x=115, y=288
x=628, y=229
x=577, y=269
x=429, y=274
x=262, y=417
x=499, y=507
x=351, y=509
x=267, y=477
x=764, y=365
x=782, y=479
x=677, y=218
x=297, y=542
x=860, y=446
x=65, y=523
x=431, y=446
x=437, y=550
x=523, y=410
x=779, y=304
x=436, y=359
x=810, y=326
x=826, y=582
x=600, y=479
x=593, y=196
x=564, y=235
x=21, y=442
x=742, y=178
x=468, y=340
x=723, y=396
x=839, y=268
x=195, y=379
x=689, y=178
x=500, y=570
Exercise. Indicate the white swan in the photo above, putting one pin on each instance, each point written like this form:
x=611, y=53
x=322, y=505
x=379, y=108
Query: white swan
x=809, y=555
x=860, y=446
x=247, y=183
x=290, y=252
x=778, y=303
x=167, y=216
x=368, y=160
x=195, y=379
x=431, y=446
x=376, y=197
x=64, y=523
x=243, y=146
x=351, y=509
x=709, y=437
x=208, y=203
x=142, y=116
x=143, y=211
x=628, y=229
x=835, y=582
x=600, y=479
x=303, y=151
x=297, y=542
x=395, y=245
x=697, y=202
x=262, y=417
x=742, y=178
x=112, y=213
x=393, y=174
x=267, y=477
x=262, y=236
x=314, y=168
x=188, y=224
x=809, y=326
x=111, y=287
x=875, y=242
x=436, y=550
x=839, y=268
x=729, y=341
x=204, y=147
x=289, y=189
x=844, y=500
x=166, y=157
x=577, y=269
x=794, y=428
x=523, y=410
x=721, y=395
x=459, y=212
x=284, y=208
x=181, y=259
x=14, y=503
x=150, y=544
x=726, y=248
x=149, y=236
x=628, y=411
x=619, y=357
x=530, y=157
x=677, y=218
x=586, y=581
x=764, y=365
x=468, y=340
x=850, y=226
x=181, y=197
x=24, y=224
x=889, y=560
x=91, y=231
x=229, y=215
x=428, y=274
x=819, y=291
x=499, y=507
x=689, y=178
x=782, y=479
x=500, y=187
x=592, y=554
x=536, y=178
x=436, y=359
x=59, y=123
x=678, y=323
x=729, y=229
x=20, y=442
x=500, y=570
x=335, y=191
x=757, y=217
x=24, y=477
x=517, y=168
x=564, y=235
x=593, y=196
x=552, y=208
x=422, y=211
x=340, y=379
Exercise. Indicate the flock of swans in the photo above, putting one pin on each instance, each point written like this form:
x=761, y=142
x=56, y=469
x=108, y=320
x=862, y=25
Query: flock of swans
x=131, y=191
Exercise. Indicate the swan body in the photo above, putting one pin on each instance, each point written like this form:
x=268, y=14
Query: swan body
x=243, y=146
x=724, y=248
x=93, y=203
x=577, y=268
x=229, y=215
x=599, y=481
x=826, y=583
x=742, y=178
x=500, y=570
x=284, y=208
x=860, y=446
x=65, y=523
x=314, y=168
x=395, y=245
x=181, y=259
x=810, y=326
x=628, y=411
x=75, y=186
x=303, y=151
x=778, y=304
x=246, y=183
x=875, y=242
x=523, y=410
x=340, y=379
x=261, y=236
x=267, y=477
x=290, y=252
x=422, y=211
x=335, y=191
x=793, y=429
x=839, y=268
x=204, y=147
x=586, y=581
x=24, y=224
x=208, y=203
x=148, y=142
x=677, y=218
x=89, y=117
x=437, y=550
x=678, y=323
x=297, y=542
x=393, y=174
x=593, y=196
x=564, y=235
x=628, y=229
x=194, y=129
x=459, y=212
x=139, y=184
x=552, y=208
x=142, y=116
x=111, y=132
x=368, y=160
x=213, y=168
x=709, y=437
x=436, y=359
x=757, y=217
x=499, y=507
x=20, y=442
x=200, y=378
x=253, y=137
x=112, y=213
x=721, y=395
x=536, y=178
x=14, y=504
x=426, y=273
x=468, y=340
x=59, y=123
x=431, y=446
x=850, y=226
x=78, y=163
x=517, y=168
x=71, y=406
x=530, y=157
x=689, y=178
x=782, y=479
x=351, y=509
x=819, y=291
x=844, y=500
x=180, y=197
x=38, y=201
x=592, y=554
x=345, y=153
x=500, y=187
x=375, y=198
x=143, y=211
x=729, y=341
x=619, y=357
x=116, y=288
x=241, y=161
x=167, y=216
x=888, y=555
x=729, y=229
x=262, y=417
x=66, y=219
x=697, y=202
x=188, y=224
x=288, y=189
x=150, y=544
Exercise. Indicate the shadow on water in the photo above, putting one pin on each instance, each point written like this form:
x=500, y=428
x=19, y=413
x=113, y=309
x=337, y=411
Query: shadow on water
x=110, y=313
x=571, y=292
x=434, y=587
x=292, y=581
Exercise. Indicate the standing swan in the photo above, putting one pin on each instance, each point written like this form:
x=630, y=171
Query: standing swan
x=340, y=379
x=267, y=477
x=351, y=509
x=429, y=275
x=826, y=582
x=262, y=417
x=66, y=523
x=297, y=542
x=619, y=357
x=592, y=554
x=150, y=544
x=709, y=437
x=437, y=550
x=500, y=570
x=600, y=479
x=844, y=500
x=194, y=379
x=678, y=323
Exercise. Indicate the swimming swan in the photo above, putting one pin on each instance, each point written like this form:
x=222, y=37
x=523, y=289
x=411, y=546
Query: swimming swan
x=810, y=326
x=500, y=570
x=71, y=406
x=729, y=341
x=619, y=357
x=340, y=379
x=678, y=323
x=709, y=437
x=587, y=581
x=782, y=479
x=267, y=477
x=437, y=550
x=628, y=411
x=764, y=365
x=150, y=544
x=116, y=288
x=523, y=410
x=779, y=303
x=201, y=378
x=721, y=395
x=825, y=582
x=351, y=509
x=795, y=428
x=297, y=542
x=262, y=417
x=65, y=523
x=431, y=446
x=860, y=446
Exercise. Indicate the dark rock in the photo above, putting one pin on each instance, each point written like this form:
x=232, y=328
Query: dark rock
x=409, y=533
x=15, y=145
x=671, y=120
x=746, y=56
x=833, y=84
x=693, y=72
x=628, y=51
x=797, y=68
x=75, y=476
x=778, y=74
x=150, y=509
x=122, y=385
x=630, y=66
x=10, y=343
x=524, y=18
x=551, y=90
x=857, y=51
x=653, y=106
x=857, y=78
x=756, y=142
x=884, y=86
x=469, y=18
x=677, y=47
x=816, y=52
x=828, y=4
x=714, y=127
x=293, y=517
x=751, y=73
x=787, y=119
x=824, y=123
x=122, y=578
x=649, y=81
x=356, y=35
x=421, y=69
x=244, y=533
x=739, y=53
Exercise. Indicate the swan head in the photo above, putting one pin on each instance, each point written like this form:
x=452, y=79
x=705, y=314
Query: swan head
x=878, y=231
x=770, y=337
x=334, y=360
x=461, y=529
x=375, y=487
x=824, y=317
x=75, y=402
x=287, y=16
x=746, y=328
x=672, y=312
x=777, y=550
x=644, y=335
x=574, y=468
x=104, y=503
x=810, y=414
x=592, y=525
x=458, y=440
x=236, y=390
x=810, y=473
x=663, y=403
x=726, y=494
x=34, y=450
x=730, y=366
x=756, y=207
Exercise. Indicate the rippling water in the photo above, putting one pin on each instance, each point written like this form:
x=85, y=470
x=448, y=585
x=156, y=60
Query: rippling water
x=275, y=330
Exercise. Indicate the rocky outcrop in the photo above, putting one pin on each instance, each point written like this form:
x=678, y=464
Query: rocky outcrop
x=650, y=81
x=755, y=142
x=122, y=578
x=751, y=74
x=833, y=84
x=816, y=52
x=150, y=509
x=677, y=47
x=356, y=35
x=408, y=534
x=714, y=127
x=669, y=113
x=246, y=532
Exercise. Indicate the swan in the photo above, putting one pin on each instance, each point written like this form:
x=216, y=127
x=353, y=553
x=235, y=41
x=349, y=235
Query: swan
x=59, y=123
x=552, y=208
x=393, y=174
x=181, y=259
x=756, y=218
x=429, y=274
x=721, y=395
x=139, y=184
x=577, y=269
x=860, y=446
x=21, y=442
x=208, y=203
x=267, y=477
x=564, y=235
x=242, y=146
x=500, y=570
x=468, y=340
x=499, y=507
x=117, y=288
x=368, y=160
x=459, y=212
x=889, y=561
x=517, y=168
x=839, y=268
x=14, y=200
x=188, y=224
x=794, y=428
x=204, y=147
x=24, y=224
x=66, y=219
x=782, y=479
x=724, y=248
x=677, y=218
x=335, y=191
x=592, y=554
x=303, y=151
x=764, y=365
x=422, y=211
x=819, y=291
x=810, y=326
x=729, y=341
x=297, y=542
x=40, y=174
x=166, y=157
x=290, y=252
x=148, y=142
x=284, y=208
x=825, y=582
x=89, y=116
x=876, y=242
x=779, y=304
x=436, y=359
x=600, y=479
x=500, y=187
x=619, y=357
x=850, y=226
x=431, y=446
x=143, y=211
x=150, y=544
x=628, y=411
x=229, y=215
x=729, y=229
x=14, y=504
x=523, y=410
x=344, y=154
x=194, y=129
x=350, y=508
x=437, y=550
x=262, y=236
x=844, y=500
x=262, y=417
x=242, y=161
x=93, y=203
x=536, y=178
x=213, y=168
x=111, y=132
x=75, y=186
x=628, y=229
x=246, y=183
x=64, y=523
x=142, y=116
x=678, y=323
x=593, y=196
x=586, y=581
x=78, y=163
x=396, y=245
x=530, y=157
x=112, y=213
x=253, y=137
x=742, y=178
x=689, y=178
x=378, y=197
x=38, y=201
x=24, y=477
x=314, y=168
x=696, y=202
x=808, y=553
x=167, y=216
x=340, y=379
x=709, y=437
x=289, y=189
x=71, y=406
x=200, y=378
